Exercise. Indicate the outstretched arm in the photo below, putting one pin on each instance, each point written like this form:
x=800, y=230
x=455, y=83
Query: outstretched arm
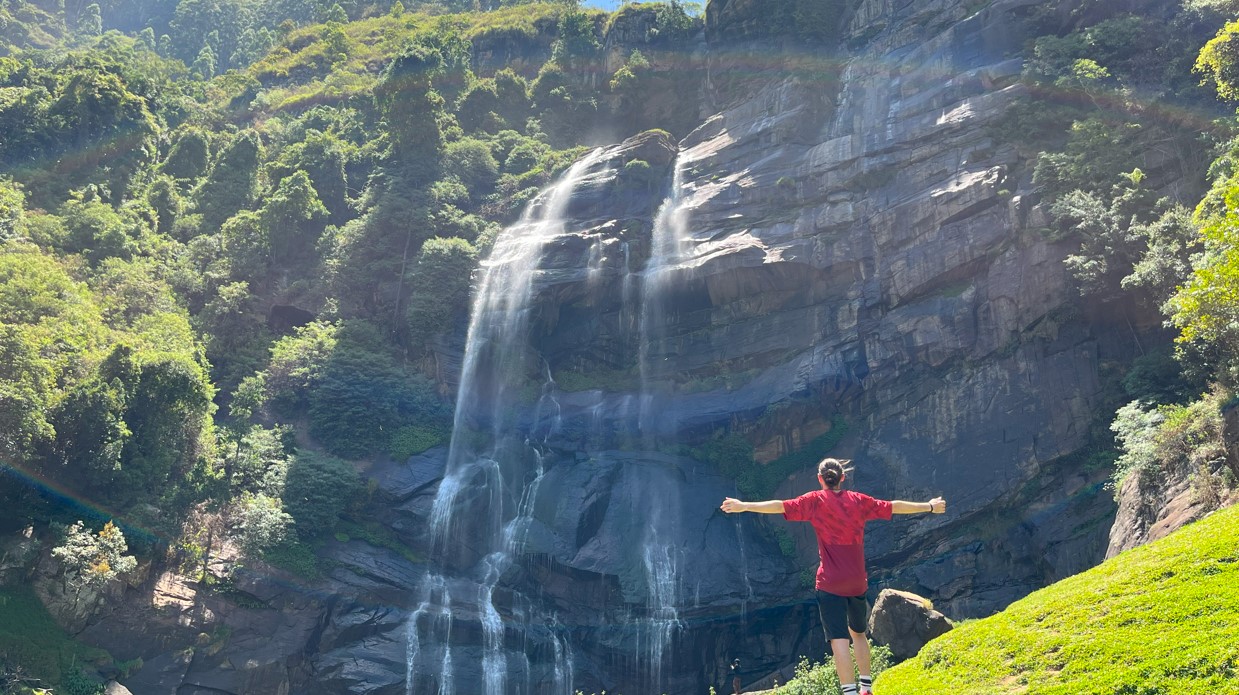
x=731, y=505
x=937, y=505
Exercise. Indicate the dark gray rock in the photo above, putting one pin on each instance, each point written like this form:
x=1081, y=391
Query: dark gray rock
x=400, y=480
x=162, y=674
x=905, y=622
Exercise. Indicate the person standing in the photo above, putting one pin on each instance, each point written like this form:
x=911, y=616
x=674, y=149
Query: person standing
x=838, y=517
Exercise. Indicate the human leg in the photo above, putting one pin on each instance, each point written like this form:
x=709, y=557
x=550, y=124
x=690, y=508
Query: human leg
x=833, y=610
x=843, y=665
x=860, y=650
x=858, y=620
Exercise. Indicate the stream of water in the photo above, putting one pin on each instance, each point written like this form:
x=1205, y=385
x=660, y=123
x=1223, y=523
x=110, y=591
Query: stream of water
x=496, y=464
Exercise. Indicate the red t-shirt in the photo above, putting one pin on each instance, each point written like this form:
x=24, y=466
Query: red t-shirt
x=839, y=519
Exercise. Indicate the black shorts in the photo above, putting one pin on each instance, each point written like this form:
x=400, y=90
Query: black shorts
x=838, y=613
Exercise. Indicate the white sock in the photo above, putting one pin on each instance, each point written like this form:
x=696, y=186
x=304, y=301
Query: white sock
x=849, y=689
x=866, y=683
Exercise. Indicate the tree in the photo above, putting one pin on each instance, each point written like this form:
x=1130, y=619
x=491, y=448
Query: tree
x=476, y=108
x=89, y=561
x=263, y=523
x=512, y=98
x=1219, y=61
x=168, y=404
x=12, y=210
x=565, y=111
x=97, y=231
x=253, y=44
x=470, y=161
x=27, y=382
x=165, y=198
x=203, y=67
x=196, y=19
x=92, y=434
x=439, y=290
x=411, y=110
x=291, y=216
x=258, y=462
x=236, y=335
x=90, y=22
x=577, y=43
x=51, y=322
x=296, y=366
x=1206, y=308
x=336, y=14
x=147, y=38
x=323, y=157
x=97, y=116
x=362, y=396
x=319, y=487
x=189, y=156
x=232, y=182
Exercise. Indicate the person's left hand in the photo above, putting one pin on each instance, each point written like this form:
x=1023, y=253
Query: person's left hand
x=730, y=505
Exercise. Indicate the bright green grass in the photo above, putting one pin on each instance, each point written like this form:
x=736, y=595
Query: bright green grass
x=1162, y=619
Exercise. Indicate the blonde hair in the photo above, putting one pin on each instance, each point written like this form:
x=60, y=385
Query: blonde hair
x=833, y=470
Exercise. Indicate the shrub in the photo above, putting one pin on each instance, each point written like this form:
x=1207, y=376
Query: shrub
x=319, y=487
x=820, y=678
x=264, y=524
x=470, y=160
x=295, y=557
x=637, y=173
x=411, y=440
x=1158, y=438
x=439, y=287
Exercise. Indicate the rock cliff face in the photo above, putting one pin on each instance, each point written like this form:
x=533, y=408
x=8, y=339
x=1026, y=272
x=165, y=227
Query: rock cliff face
x=860, y=246
x=856, y=248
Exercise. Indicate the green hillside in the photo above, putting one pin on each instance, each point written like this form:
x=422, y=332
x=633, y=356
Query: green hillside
x=1162, y=619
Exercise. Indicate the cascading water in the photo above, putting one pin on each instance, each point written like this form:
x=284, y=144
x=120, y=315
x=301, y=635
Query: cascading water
x=485, y=501
x=484, y=507
x=668, y=246
x=660, y=558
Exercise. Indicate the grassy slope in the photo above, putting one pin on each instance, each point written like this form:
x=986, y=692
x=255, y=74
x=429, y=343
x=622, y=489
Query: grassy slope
x=1162, y=619
x=299, y=72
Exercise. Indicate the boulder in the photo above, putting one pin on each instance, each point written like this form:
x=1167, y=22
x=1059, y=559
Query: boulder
x=19, y=552
x=114, y=688
x=905, y=622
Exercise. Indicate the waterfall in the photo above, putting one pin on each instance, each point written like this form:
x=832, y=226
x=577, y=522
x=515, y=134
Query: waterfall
x=660, y=558
x=486, y=498
x=436, y=605
x=668, y=246
x=506, y=412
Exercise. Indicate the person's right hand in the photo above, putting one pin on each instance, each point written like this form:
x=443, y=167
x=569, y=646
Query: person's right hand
x=730, y=505
x=937, y=505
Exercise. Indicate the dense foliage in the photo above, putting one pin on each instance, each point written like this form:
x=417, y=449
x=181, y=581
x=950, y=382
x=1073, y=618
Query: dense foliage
x=230, y=234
